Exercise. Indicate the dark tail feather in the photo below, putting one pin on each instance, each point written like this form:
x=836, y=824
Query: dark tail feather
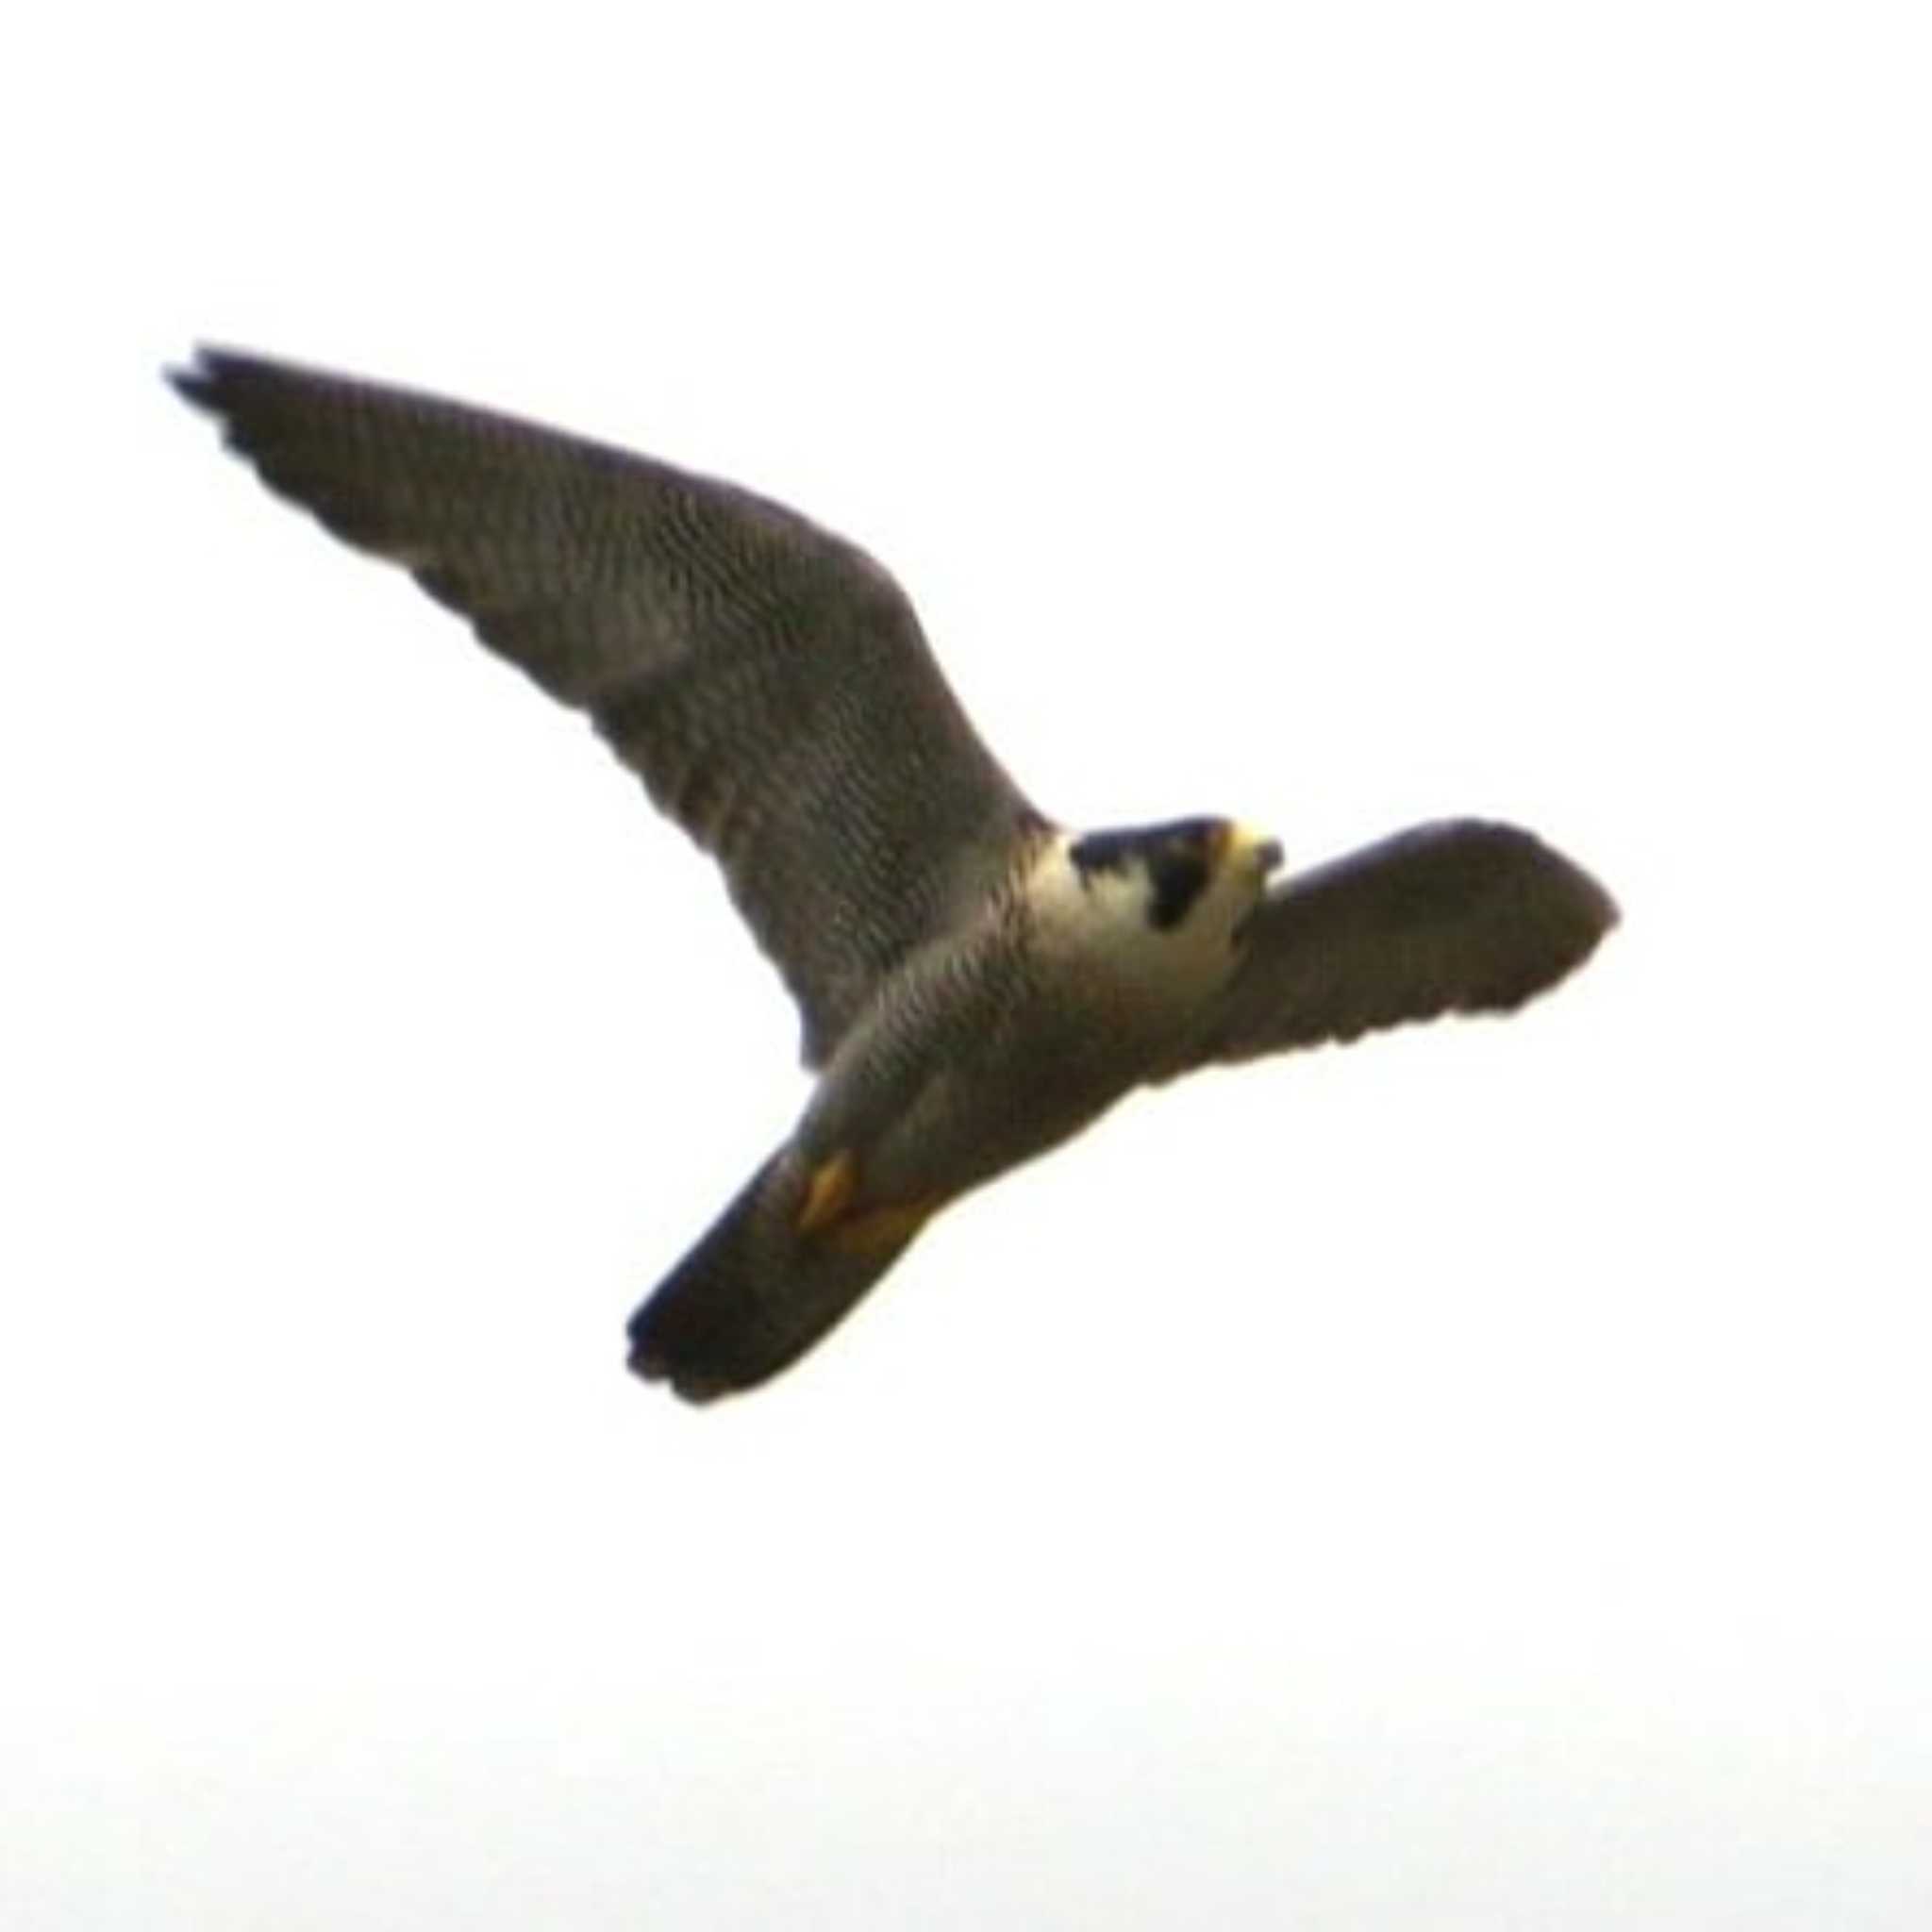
x=754, y=1294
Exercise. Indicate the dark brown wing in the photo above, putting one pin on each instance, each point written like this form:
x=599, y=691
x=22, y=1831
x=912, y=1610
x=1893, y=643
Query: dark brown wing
x=1460, y=917
x=768, y=680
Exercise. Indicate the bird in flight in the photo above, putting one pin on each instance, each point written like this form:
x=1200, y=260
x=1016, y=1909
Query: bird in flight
x=977, y=983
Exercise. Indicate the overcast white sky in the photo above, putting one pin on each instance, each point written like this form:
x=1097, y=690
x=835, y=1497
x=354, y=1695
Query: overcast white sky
x=1479, y=1480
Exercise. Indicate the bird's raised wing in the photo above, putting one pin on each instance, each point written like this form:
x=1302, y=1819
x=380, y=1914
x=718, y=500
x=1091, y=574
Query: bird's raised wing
x=767, y=679
x=1458, y=917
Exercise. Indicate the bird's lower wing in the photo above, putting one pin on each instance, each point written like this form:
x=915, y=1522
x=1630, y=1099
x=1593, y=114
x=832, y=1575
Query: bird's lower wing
x=1456, y=917
x=767, y=679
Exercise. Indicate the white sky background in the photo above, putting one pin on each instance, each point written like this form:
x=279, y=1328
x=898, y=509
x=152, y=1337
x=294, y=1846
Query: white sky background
x=1479, y=1480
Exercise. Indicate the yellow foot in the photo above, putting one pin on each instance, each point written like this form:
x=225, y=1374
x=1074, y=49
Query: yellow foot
x=833, y=1183
x=890, y=1225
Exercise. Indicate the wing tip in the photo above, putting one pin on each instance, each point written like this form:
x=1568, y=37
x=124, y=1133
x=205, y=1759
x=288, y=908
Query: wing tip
x=209, y=364
x=1515, y=858
x=214, y=379
x=195, y=380
x=1558, y=913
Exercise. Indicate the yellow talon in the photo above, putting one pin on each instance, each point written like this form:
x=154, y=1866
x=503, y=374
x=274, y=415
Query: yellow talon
x=827, y=1210
x=891, y=1226
x=833, y=1183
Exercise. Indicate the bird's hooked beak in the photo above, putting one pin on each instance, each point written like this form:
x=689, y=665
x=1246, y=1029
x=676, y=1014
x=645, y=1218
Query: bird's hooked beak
x=1254, y=849
x=1258, y=855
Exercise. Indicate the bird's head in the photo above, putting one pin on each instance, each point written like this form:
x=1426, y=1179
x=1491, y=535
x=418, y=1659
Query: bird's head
x=1200, y=876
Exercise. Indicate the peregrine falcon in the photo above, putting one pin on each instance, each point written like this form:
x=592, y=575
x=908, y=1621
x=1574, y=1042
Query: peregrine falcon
x=977, y=983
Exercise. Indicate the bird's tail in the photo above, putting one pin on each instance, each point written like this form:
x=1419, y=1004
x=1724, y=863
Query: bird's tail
x=762, y=1287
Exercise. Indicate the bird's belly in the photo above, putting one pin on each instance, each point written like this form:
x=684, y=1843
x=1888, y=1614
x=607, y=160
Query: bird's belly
x=1000, y=1101
x=975, y=1063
